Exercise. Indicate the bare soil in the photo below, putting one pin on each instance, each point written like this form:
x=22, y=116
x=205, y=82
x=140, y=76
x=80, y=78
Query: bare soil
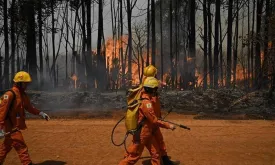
x=87, y=142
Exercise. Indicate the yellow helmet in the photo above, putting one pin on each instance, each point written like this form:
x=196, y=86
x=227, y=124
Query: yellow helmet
x=151, y=82
x=22, y=76
x=150, y=71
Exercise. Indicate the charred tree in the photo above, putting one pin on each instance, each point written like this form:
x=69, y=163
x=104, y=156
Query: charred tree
x=123, y=64
x=258, y=74
x=40, y=37
x=252, y=45
x=171, y=44
x=31, y=42
x=12, y=31
x=130, y=5
x=176, y=41
x=148, y=33
x=235, y=53
x=67, y=38
x=209, y=15
x=248, y=45
x=192, y=39
x=100, y=58
x=266, y=47
x=88, y=56
x=6, y=40
x=216, y=47
x=161, y=42
x=205, y=44
x=229, y=44
x=53, y=71
x=221, y=55
x=153, y=58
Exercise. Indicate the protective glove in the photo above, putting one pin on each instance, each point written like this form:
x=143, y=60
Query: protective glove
x=44, y=115
x=2, y=125
x=172, y=127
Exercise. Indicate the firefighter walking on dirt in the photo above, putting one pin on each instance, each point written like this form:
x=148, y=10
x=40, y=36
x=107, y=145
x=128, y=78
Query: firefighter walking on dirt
x=148, y=120
x=12, y=117
x=151, y=71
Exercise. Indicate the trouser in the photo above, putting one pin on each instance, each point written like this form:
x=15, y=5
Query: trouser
x=16, y=141
x=159, y=138
x=136, y=148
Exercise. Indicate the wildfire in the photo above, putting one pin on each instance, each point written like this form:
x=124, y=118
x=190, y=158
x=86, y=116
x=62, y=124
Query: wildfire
x=74, y=78
x=199, y=77
x=113, y=48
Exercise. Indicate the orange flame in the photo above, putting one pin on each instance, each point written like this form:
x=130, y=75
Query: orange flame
x=74, y=78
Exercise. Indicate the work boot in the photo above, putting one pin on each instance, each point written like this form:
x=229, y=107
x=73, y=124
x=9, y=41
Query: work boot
x=166, y=160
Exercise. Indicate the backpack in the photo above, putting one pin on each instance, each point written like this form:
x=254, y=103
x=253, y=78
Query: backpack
x=133, y=101
x=2, y=97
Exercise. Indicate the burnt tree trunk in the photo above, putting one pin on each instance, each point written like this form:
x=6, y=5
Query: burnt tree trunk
x=153, y=58
x=210, y=44
x=266, y=48
x=235, y=53
x=88, y=56
x=6, y=40
x=229, y=44
x=171, y=43
x=205, y=44
x=216, y=47
x=148, y=33
x=248, y=46
x=258, y=74
x=192, y=39
x=130, y=46
x=40, y=37
x=12, y=30
x=123, y=67
x=53, y=44
x=31, y=42
x=252, y=45
x=100, y=60
x=161, y=42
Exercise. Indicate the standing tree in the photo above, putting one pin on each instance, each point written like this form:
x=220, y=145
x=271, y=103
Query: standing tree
x=258, y=75
x=216, y=47
x=100, y=58
x=129, y=8
x=161, y=41
x=205, y=44
x=235, y=52
x=40, y=37
x=31, y=42
x=12, y=30
x=209, y=15
x=192, y=38
x=229, y=43
x=153, y=59
x=6, y=36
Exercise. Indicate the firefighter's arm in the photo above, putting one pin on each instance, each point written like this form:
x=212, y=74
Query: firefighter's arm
x=5, y=104
x=148, y=112
x=30, y=108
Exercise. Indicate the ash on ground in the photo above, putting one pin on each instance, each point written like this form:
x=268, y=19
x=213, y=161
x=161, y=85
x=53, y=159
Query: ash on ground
x=219, y=103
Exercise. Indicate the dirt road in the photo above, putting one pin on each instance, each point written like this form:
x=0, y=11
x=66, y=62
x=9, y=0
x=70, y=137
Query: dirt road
x=87, y=142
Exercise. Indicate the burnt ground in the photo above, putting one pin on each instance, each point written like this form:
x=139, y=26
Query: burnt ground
x=209, y=104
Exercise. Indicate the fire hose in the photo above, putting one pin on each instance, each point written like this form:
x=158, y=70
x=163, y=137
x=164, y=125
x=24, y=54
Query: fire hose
x=127, y=133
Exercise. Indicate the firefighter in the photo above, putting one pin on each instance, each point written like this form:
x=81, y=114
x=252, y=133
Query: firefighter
x=151, y=71
x=147, y=118
x=12, y=116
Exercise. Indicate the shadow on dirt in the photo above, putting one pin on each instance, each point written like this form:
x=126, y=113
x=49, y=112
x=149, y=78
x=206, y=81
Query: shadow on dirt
x=148, y=162
x=51, y=162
